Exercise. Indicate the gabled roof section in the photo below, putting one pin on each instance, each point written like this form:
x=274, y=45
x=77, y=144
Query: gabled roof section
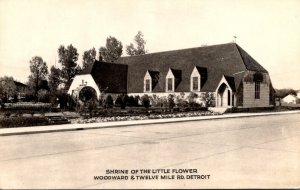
x=110, y=76
x=88, y=69
x=230, y=81
x=224, y=59
x=20, y=85
x=249, y=62
x=176, y=73
x=203, y=73
x=153, y=74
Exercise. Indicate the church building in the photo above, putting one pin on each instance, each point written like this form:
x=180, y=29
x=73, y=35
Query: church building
x=226, y=70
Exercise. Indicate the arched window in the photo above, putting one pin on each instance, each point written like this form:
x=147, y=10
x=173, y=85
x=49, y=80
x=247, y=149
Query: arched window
x=257, y=90
x=257, y=78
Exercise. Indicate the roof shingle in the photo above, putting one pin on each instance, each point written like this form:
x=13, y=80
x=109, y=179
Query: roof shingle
x=219, y=60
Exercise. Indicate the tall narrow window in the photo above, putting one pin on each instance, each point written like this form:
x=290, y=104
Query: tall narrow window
x=257, y=90
x=228, y=98
x=170, y=84
x=195, y=83
x=147, y=85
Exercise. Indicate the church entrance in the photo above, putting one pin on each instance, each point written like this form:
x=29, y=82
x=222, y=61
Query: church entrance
x=224, y=95
x=87, y=93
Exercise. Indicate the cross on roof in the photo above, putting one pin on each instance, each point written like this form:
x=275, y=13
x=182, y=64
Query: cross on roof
x=235, y=37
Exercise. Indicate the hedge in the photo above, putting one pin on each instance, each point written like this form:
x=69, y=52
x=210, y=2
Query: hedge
x=27, y=106
x=22, y=122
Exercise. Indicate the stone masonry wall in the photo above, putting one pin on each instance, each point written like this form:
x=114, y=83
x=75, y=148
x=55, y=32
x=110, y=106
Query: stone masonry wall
x=249, y=91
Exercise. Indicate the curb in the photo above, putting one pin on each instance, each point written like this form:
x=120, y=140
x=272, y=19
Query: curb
x=63, y=128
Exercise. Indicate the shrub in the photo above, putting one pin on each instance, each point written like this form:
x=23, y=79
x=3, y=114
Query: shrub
x=118, y=101
x=131, y=101
x=91, y=105
x=22, y=121
x=125, y=99
x=137, y=100
x=109, y=101
x=171, y=102
x=28, y=106
x=29, y=97
x=66, y=101
x=159, y=101
x=122, y=101
x=192, y=97
x=145, y=101
x=101, y=99
x=43, y=96
x=209, y=99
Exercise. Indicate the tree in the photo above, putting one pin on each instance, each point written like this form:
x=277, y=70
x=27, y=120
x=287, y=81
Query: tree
x=54, y=79
x=140, y=45
x=88, y=57
x=68, y=58
x=7, y=87
x=112, y=51
x=39, y=71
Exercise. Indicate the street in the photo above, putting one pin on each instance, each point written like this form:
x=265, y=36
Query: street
x=253, y=152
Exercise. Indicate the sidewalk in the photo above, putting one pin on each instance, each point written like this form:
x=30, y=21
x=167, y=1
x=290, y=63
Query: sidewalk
x=74, y=127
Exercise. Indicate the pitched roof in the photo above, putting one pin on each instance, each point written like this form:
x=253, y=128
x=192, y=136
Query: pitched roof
x=108, y=75
x=203, y=73
x=230, y=81
x=153, y=74
x=249, y=62
x=176, y=73
x=19, y=84
x=225, y=59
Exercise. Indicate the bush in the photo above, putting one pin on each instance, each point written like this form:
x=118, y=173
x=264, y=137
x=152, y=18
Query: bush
x=192, y=97
x=159, y=101
x=171, y=102
x=22, y=122
x=146, y=101
x=122, y=101
x=43, y=96
x=137, y=100
x=131, y=101
x=209, y=99
x=125, y=99
x=28, y=106
x=109, y=101
x=118, y=101
x=102, y=99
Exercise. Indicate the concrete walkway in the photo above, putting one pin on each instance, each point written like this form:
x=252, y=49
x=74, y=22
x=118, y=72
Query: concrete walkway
x=73, y=127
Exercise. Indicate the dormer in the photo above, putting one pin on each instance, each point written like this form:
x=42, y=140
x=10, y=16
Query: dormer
x=173, y=79
x=150, y=80
x=198, y=78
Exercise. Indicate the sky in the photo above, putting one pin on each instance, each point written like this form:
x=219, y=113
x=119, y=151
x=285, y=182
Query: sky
x=269, y=30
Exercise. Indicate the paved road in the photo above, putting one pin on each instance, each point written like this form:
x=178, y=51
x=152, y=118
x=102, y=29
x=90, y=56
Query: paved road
x=235, y=153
